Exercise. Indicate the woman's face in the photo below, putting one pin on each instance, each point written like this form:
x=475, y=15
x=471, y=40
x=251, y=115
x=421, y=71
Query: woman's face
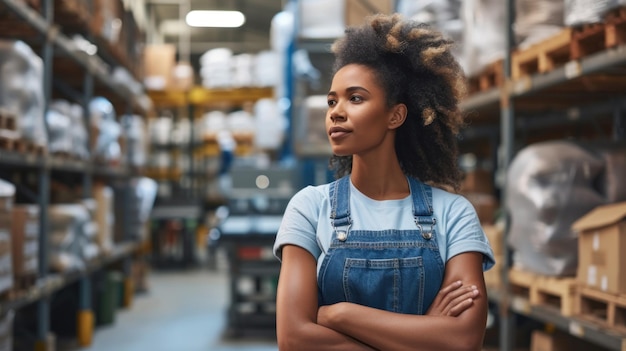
x=357, y=119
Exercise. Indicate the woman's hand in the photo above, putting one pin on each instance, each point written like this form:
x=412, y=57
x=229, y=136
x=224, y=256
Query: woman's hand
x=453, y=300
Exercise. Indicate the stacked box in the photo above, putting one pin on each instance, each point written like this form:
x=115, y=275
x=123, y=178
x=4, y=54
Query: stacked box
x=24, y=237
x=601, y=244
x=357, y=10
x=104, y=217
x=493, y=277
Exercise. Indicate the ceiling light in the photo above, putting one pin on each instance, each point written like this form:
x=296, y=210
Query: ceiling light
x=222, y=19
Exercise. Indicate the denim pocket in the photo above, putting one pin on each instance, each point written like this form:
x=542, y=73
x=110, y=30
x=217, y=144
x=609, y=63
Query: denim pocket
x=393, y=284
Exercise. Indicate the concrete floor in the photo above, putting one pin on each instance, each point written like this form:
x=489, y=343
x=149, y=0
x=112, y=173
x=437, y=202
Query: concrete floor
x=182, y=311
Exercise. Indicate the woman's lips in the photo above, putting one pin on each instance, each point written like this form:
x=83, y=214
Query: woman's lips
x=337, y=132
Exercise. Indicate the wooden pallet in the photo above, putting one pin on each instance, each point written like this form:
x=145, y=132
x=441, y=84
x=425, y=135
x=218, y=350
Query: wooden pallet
x=615, y=28
x=540, y=290
x=571, y=43
x=7, y=120
x=490, y=77
x=7, y=143
x=602, y=308
x=22, y=284
x=543, y=56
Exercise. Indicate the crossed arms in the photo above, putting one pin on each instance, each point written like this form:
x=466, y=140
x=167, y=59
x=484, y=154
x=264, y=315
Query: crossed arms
x=455, y=321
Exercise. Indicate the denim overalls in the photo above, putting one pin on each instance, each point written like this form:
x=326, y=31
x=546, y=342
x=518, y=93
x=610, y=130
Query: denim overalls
x=394, y=270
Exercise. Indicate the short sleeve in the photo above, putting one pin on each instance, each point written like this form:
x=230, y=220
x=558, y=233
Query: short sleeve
x=299, y=223
x=465, y=234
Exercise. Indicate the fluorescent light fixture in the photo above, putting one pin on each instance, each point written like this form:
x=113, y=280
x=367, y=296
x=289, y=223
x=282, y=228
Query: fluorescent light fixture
x=221, y=19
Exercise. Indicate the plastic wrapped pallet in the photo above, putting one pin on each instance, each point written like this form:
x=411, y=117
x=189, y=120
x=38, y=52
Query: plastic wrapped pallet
x=579, y=12
x=322, y=19
x=25, y=240
x=445, y=15
x=103, y=121
x=67, y=225
x=21, y=91
x=66, y=129
x=484, y=39
x=136, y=141
x=549, y=186
x=536, y=20
x=611, y=181
x=216, y=68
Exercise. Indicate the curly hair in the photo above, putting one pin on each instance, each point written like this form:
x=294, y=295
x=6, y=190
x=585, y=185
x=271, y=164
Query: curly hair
x=415, y=67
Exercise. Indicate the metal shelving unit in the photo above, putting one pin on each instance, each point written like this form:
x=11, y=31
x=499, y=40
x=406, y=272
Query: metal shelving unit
x=556, y=99
x=54, y=45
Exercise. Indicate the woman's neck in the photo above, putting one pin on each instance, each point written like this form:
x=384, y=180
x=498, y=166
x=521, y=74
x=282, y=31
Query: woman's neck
x=379, y=179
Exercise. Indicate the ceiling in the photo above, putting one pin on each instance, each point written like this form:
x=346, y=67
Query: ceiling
x=166, y=20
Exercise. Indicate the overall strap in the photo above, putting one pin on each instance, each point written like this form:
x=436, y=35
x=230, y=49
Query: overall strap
x=422, y=196
x=339, y=196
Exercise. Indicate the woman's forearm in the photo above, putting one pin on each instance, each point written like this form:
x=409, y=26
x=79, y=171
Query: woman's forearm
x=314, y=337
x=393, y=331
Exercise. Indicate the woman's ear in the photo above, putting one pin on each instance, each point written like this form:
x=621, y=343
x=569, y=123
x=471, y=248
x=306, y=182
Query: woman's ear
x=398, y=116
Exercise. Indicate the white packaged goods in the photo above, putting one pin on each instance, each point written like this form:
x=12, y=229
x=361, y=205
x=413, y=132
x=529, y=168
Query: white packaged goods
x=484, y=34
x=67, y=237
x=136, y=141
x=267, y=69
x=216, y=68
x=270, y=70
x=103, y=119
x=213, y=122
x=322, y=18
x=159, y=130
x=67, y=132
x=270, y=125
x=242, y=70
x=536, y=20
x=21, y=91
x=445, y=15
x=241, y=122
x=578, y=12
x=550, y=185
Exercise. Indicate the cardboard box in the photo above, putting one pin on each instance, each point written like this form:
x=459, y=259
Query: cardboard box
x=542, y=341
x=495, y=234
x=25, y=239
x=159, y=61
x=358, y=10
x=493, y=277
x=601, y=244
x=478, y=181
x=104, y=217
x=485, y=205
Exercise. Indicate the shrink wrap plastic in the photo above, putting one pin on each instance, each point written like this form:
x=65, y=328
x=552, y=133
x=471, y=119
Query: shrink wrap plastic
x=536, y=20
x=103, y=119
x=549, y=186
x=66, y=129
x=68, y=237
x=444, y=15
x=136, y=141
x=483, y=37
x=579, y=12
x=552, y=184
x=21, y=91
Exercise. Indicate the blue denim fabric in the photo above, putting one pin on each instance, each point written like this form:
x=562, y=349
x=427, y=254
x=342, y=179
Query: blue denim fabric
x=395, y=270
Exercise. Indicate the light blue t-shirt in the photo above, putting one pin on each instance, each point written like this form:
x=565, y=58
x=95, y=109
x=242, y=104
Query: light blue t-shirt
x=306, y=222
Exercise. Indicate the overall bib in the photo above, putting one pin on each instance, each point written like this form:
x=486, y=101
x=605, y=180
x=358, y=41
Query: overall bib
x=394, y=270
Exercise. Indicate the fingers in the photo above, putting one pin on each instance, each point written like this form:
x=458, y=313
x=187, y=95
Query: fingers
x=462, y=301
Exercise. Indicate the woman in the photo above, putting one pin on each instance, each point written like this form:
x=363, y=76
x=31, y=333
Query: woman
x=364, y=258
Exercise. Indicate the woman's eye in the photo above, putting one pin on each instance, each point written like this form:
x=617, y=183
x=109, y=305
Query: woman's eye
x=331, y=103
x=356, y=98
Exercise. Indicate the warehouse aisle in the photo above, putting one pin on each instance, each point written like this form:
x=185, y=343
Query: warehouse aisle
x=183, y=311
